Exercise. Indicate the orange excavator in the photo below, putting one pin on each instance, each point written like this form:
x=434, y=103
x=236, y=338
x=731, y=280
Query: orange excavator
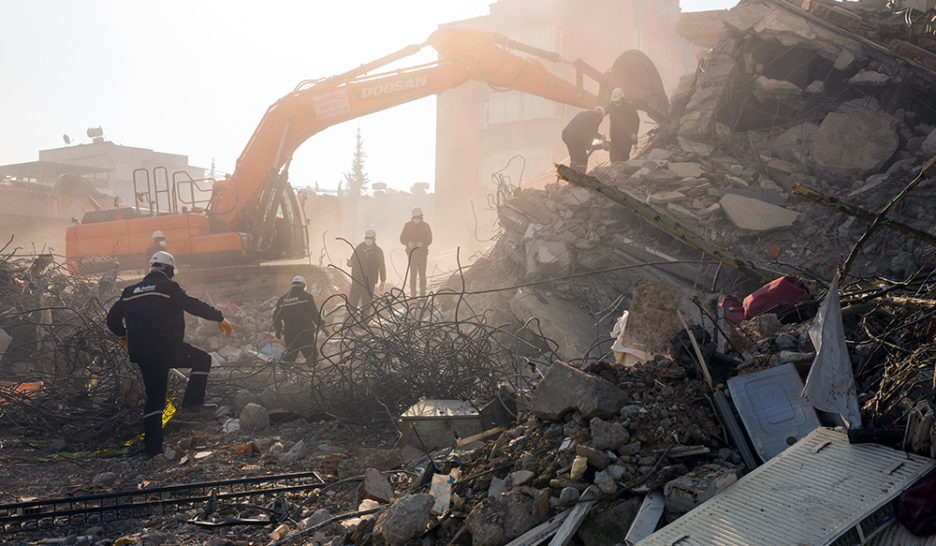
x=255, y=215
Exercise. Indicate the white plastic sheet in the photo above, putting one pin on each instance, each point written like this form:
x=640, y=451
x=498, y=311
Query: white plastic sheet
x=830, y=385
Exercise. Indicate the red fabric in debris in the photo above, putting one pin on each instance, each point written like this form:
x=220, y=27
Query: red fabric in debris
x=916, y=507
x=775, y=296
x=734, y=309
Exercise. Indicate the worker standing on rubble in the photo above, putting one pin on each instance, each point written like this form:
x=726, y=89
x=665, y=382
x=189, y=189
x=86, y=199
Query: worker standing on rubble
x=296, y=319
x=417, y=236
x=624, y=125
x=579, y=134
x=149, y=318
x=367, y=264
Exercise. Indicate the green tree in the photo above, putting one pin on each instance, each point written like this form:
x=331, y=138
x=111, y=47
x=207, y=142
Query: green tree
x=356, y=181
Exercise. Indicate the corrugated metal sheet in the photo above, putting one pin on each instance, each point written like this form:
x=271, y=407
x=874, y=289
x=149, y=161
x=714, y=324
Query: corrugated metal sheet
x=810, y=494
x=772, y=409
x=898, y=535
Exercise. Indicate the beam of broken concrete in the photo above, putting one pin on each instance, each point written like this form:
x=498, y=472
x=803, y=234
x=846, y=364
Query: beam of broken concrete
x=864, y=215
x=665, y=223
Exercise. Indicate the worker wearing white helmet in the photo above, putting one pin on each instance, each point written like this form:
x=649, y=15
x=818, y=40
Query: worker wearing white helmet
x=159, y=243
x=367, y=266
x=579, y=134
x=296, y=319
x=416, y=236
x=149, y=318
x=625, y=124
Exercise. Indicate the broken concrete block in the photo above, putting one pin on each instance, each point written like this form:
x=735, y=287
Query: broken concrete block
x=596, y=457
x=688, y=491
x=816, y=88
x=520, y=477
x=565, y=388
x=405, y=519
x=605, y=482
x=497, y=487
x=376, y=486
x=105, y=479
x=579, y=466
x=608, y=434
x=754, y=214
x=795, y=143
x=254, y=417
x=244, y=397
x=686, y=169
x=869, y=78
x=860, y=139
x=767, y=89
x=659, y=154
x=929, y=144
x=844, y=61
x=568, y=495
x=498, y=520
x=296, y=452
x=547, y=258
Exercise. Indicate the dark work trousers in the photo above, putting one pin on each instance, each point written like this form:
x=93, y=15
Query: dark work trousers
x=303, y=342
x=417, y=267
x=155, y=373
x=360, y=295
x=620, y=148
x=578, y=155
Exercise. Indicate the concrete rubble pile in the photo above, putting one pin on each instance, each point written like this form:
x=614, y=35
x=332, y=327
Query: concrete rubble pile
x=785, y=97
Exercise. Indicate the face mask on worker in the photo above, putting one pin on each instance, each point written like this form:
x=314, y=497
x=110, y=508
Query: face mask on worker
x=162, y=244
x=369, y=242
x=417, y=219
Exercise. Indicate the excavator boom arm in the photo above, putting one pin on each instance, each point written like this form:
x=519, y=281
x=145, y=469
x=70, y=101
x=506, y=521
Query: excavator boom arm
x=464, y=55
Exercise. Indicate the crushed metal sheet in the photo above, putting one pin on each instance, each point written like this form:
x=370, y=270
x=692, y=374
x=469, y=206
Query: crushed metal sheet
x=814, y=492
x=772, y=409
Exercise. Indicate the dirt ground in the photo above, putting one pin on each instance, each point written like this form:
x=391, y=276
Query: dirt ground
x=41, y=466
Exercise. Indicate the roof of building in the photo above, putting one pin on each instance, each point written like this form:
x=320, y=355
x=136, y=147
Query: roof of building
x=46, y=169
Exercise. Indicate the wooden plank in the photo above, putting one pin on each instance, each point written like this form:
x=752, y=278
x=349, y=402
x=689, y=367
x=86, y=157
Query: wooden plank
x=571, y=524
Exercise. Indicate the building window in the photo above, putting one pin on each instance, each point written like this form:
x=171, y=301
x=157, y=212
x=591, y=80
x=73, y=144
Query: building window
x=551, y=38
x=514, y=106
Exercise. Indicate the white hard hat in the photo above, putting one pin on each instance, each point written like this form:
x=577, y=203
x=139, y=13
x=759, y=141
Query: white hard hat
x=600, y=110
x=617, y=94
x=158, y=235
x=370, y=233
x=299, y=279
x=162, y=257
x=417, y=212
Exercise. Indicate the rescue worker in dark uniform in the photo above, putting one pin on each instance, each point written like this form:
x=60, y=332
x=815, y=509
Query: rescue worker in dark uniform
x=579, y=134
x=624, y=126
x=149, y=318
x=417, y=236
x=296, y=319
x=367, y=265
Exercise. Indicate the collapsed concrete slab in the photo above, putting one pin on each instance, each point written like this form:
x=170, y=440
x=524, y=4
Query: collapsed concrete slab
x=860, y=138
x=754, y=214
x=565, y=388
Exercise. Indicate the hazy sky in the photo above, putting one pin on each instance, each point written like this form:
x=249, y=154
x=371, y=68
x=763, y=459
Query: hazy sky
x=194, y=77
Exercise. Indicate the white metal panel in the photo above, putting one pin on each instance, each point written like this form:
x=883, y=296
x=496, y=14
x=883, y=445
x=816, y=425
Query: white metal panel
x=772, y=409
x=810, y=494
